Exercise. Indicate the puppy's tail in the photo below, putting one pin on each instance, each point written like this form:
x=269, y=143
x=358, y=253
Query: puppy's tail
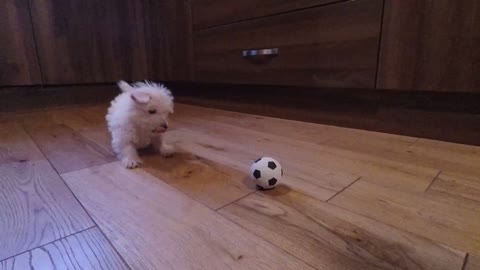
x=124, y=86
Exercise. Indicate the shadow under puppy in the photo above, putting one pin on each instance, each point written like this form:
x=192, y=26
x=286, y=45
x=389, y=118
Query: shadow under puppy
x=137, y=118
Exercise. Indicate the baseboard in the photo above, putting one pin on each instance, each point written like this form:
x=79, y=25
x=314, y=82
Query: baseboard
x=453, y=117
x=30, y=98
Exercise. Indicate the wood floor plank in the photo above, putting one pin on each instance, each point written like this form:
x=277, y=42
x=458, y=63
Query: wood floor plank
x=36, y=207
x=306, y=146
x=210, y=183
x=422, y=152
x=300, y=172
x=444, y=156
x=398, y=149
x=440, y=220
x=452, y=157
x=66, y=149
x=309, y=155
x=89, y=122
x=85, y=250
x=16, y=145
x=463, y=186
x=320, y=233
x=154, y=226
x=383, y=221
x=97, y=131
x=297, y=130
x=473, y=263
x=95, y=113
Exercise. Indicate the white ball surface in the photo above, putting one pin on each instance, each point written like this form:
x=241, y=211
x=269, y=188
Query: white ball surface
x=266, y=172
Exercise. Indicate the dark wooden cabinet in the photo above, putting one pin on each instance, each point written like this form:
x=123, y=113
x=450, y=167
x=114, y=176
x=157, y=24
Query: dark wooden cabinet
x=431, y=45
x=208, y=13
x=90, y=41
x=329, y=46
x=18, y=58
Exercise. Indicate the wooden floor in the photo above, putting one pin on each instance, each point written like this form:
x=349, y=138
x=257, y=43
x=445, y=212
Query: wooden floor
x=350, y=199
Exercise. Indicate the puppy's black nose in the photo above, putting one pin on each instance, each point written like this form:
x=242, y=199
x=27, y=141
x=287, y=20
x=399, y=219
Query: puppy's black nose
x=165, y=126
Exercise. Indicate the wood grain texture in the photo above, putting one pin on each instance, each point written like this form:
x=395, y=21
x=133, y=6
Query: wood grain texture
x=168, y=31
x=320, y=233
x=240, y=150
x=87, y=121
x=297, y=130
x=208, y=13
x=320, y=168
x=462, y=186
x=16, y=145
x=385, y=220
x=18, y=57
x=66, y=149
x=422, y=156
x=446, y=221
x=158, y=227
x=93, y=42
x=430, y=45
x=85, y=250
x=210, y=183
x=316, y=48
x=35, y=207
x=473, y=263
x=445, y=116
x=449, y=157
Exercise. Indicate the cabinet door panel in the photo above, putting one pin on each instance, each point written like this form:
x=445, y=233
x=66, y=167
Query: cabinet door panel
x=431, y=45
x=90, y=41
x=18, y=58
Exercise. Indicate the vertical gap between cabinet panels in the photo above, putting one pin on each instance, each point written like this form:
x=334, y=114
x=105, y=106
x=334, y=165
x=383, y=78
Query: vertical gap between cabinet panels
x=382, y=22
x=39, y=64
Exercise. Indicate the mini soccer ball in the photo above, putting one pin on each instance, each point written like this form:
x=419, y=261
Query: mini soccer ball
x=266, y=172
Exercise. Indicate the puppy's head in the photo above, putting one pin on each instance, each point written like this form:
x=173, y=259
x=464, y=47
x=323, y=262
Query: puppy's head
x=152, y=104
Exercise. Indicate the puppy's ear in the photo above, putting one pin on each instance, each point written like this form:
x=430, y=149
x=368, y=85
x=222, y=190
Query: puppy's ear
x=124, y=86
x=140, y=97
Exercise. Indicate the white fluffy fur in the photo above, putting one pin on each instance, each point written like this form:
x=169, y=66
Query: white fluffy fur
x=137, y=118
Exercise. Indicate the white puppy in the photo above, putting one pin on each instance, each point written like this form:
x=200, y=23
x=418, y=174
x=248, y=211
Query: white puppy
x=137, y=118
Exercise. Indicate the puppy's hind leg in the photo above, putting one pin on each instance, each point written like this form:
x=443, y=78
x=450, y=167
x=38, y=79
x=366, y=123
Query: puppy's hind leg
x=166, y=150
x=129, y=157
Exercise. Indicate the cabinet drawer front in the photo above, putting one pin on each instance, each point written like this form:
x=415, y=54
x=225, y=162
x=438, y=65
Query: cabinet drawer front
x=331, y=46
x=208, y=13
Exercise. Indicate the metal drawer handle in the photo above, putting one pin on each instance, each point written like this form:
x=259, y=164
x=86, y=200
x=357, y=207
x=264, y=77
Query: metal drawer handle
x=260, y=52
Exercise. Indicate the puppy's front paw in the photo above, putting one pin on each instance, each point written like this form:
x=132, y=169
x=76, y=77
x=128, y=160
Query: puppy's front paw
x=131, y=163
x=167, y=150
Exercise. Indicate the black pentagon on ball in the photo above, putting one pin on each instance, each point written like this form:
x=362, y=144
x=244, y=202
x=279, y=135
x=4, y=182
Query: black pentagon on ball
x=272, y=181
x=258, y=160
x=272, y=165
x=257, y=174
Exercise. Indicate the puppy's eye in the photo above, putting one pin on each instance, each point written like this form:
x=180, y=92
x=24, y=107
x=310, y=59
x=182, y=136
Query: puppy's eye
x=152, y=111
